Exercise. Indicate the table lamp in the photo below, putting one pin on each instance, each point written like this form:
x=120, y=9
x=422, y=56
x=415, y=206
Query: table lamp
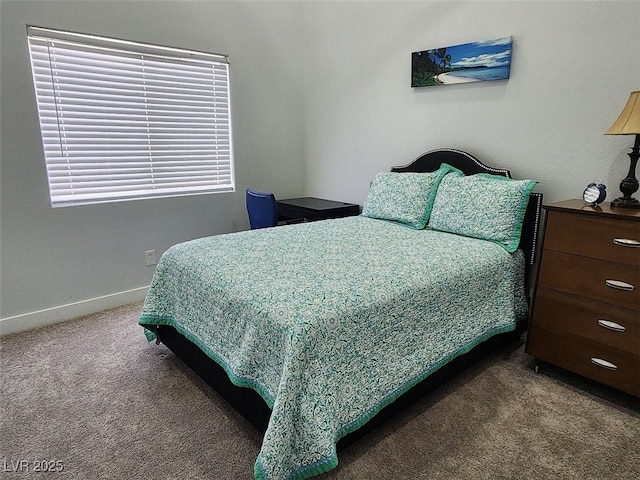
x=628, y=123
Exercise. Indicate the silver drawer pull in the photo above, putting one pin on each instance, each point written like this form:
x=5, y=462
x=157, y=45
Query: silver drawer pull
x=619, y=285
x=609, y=325
x=603, y=363
x=626, y=242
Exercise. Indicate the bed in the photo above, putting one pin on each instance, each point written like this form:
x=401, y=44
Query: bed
x=318, y=331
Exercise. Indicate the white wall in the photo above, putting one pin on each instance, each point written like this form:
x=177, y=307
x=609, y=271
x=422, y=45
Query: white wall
x=58, y=257
x=573, y=67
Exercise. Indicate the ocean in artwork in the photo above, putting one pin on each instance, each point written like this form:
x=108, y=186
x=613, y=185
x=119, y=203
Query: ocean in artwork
x=480, y=74
x=468, y=62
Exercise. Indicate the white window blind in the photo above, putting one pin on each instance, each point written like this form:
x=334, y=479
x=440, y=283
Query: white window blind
x=123, y=120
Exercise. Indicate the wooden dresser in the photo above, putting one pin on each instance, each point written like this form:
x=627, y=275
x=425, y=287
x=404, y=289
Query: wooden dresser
x=585, y=315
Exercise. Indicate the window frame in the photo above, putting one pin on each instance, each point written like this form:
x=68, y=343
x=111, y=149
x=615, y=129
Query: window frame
x=123, y=120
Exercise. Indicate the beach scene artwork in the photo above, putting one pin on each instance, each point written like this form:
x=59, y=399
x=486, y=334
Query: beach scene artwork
x=468, y=62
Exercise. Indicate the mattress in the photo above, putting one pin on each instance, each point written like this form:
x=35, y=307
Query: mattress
x=331, y=321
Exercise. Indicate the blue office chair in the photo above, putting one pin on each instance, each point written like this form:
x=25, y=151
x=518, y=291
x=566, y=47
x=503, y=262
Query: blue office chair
x=262, y=209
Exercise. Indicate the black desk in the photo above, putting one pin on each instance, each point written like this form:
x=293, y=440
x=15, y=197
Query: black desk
x=311, y=209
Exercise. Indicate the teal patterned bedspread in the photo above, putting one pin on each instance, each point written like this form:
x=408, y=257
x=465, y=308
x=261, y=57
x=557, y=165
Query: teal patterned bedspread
x=331, y=321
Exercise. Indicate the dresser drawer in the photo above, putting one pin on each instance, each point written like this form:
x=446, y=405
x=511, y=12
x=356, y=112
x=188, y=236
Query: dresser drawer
x=600, y=322
x=621, y=370
x=595, y=237
x=590, y=278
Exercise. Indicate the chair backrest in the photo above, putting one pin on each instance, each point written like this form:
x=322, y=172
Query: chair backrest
x=262, y=209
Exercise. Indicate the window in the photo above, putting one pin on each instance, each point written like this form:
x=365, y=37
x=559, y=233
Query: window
x=123, y=120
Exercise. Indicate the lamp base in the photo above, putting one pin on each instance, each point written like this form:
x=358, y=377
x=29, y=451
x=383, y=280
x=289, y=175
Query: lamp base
x=629, y=184
x=625, y=203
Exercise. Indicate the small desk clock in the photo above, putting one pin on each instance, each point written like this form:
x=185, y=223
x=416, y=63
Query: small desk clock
x=594, y=194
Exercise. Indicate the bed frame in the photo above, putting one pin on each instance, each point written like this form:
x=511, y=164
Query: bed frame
x=248, y=403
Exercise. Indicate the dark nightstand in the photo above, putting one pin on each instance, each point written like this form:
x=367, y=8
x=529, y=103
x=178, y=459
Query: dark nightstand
x=312, y=209
x=586, y=310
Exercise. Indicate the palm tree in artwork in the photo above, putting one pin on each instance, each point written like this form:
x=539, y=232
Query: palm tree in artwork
x=443, y=56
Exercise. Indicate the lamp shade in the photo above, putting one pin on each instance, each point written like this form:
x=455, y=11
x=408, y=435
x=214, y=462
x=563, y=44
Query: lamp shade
x=628, y=123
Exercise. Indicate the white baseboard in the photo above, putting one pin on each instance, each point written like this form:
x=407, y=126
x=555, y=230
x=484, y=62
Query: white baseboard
x=49, y=316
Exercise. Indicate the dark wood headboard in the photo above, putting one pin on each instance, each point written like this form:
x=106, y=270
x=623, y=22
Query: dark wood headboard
x=467, y=163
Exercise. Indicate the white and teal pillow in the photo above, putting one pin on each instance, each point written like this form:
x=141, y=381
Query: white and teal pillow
x=484, y=206
x=406, y=198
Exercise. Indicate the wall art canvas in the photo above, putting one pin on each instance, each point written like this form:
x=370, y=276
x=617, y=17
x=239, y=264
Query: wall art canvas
x=468, y=62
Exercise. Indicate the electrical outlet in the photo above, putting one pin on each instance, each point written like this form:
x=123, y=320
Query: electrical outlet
x=150, y=257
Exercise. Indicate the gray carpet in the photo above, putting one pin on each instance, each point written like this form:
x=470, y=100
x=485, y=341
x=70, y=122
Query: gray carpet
x=94, y=396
